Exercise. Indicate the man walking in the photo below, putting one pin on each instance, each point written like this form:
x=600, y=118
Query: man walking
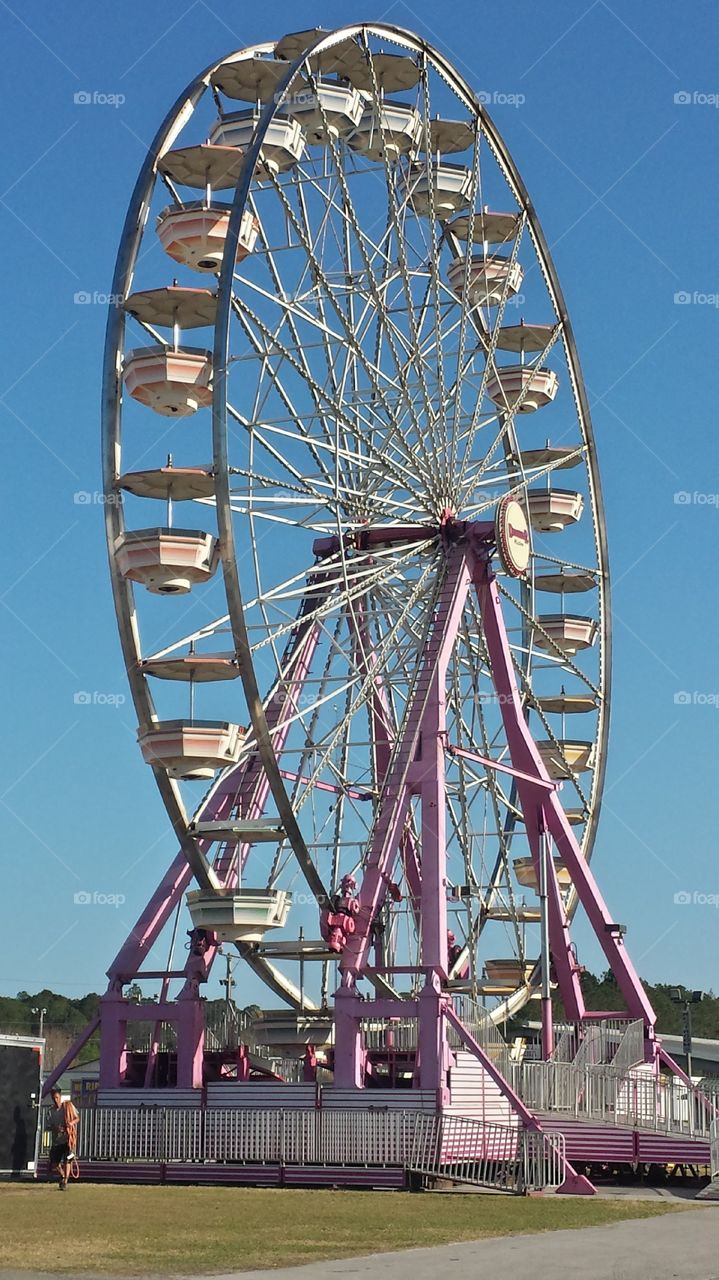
x=62, y=1122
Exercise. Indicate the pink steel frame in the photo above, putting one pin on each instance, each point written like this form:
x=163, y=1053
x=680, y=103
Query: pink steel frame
x=409, y=764
x=417, y=769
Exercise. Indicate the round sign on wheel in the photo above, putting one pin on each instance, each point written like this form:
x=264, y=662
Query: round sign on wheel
x=512, y=532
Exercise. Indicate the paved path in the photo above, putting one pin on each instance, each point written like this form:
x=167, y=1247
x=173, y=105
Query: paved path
x=682, y=1246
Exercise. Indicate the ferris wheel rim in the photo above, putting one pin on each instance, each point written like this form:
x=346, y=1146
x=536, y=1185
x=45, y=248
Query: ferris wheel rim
x=221, y=354
x=123, y=591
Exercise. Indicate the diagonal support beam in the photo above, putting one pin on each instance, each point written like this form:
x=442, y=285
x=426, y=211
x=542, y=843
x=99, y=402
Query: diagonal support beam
x=543, y=811
x=383, y=738
x=402, y=782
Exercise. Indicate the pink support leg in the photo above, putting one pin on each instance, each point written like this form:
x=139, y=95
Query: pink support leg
x=542, y=809
x=349, y=1052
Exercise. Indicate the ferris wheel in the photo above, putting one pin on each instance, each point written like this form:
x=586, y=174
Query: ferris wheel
x=343, y=358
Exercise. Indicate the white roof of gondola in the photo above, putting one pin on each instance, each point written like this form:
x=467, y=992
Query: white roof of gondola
x=182, y=484
x=187, y=307
x=203, y=165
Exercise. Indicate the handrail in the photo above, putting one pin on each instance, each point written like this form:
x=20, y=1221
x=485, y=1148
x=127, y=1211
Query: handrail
x=459, y=1148
x=634, y=1099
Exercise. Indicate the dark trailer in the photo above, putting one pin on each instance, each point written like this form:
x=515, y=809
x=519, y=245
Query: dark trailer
x=20, y=1085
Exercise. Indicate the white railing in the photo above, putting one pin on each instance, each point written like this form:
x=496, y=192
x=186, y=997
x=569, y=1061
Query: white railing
x=457, y=1148
x=401, y=1033
x=545, y=1160
x=630, y=1050
x=389, y=1033
x=130, y=1133
x=630, y=1099
x=482, y=1029
x=597, y=1041
x=714, y=1147
x=177, y=1134
x=461, y=1149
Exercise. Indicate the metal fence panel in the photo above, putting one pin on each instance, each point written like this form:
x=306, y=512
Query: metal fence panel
x=450, y=1146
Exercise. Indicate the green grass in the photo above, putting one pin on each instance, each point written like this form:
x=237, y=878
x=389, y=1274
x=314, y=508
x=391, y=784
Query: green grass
x=156, y=1230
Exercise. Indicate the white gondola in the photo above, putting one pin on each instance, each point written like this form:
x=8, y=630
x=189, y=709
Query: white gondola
x=194, y=234
x=200, y=668
x=169, y=484
x=173, y=305
x=507, y=975
x=282, y=144
x=390, y=72
x=485, y=226
x=174, y=382
x=166, y=561
x=391, y=129
x=524, y=338
x=569, y=581
x=579, y=757
x=552, y=510
x=444, y=187
x=447, y=137
x=491, y=277
x=287, y=1031
x=527, y=876
x=203, y=166
x=249, y=79
x=564, y=631
x=559, y=457
x=239, y=831
x=330, y=111
x=191, y=749
x=522, y=388
x=562, y=704
x=240, y=915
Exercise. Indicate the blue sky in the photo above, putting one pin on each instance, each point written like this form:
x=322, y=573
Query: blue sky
x=615, y=135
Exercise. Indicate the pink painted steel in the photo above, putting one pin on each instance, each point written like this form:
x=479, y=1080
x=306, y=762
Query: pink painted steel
x=383, y=739
x=542, y=811
x=349, y=1052
x=184, y=1014
x=496, y=765
x=70, y=1056
x=526, y=759
x=574, y=1183
x=245, y=790
x=515, y=1102
x=396, y=795
x=547, y=1029
x=409, y=763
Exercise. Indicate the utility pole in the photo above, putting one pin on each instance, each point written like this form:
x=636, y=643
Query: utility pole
x=42, y=1013
x=686, y=999
x=228, y=981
